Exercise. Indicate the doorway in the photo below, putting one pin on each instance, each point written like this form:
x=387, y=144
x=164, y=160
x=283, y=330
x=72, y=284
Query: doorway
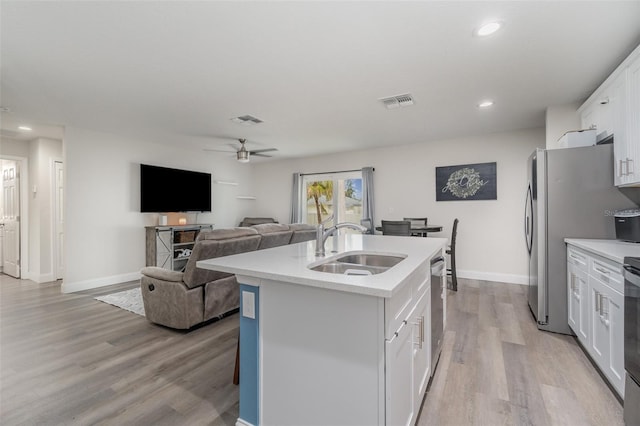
x=10, y=222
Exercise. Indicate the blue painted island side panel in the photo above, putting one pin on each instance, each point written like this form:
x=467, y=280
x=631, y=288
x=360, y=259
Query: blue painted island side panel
x=249, y=359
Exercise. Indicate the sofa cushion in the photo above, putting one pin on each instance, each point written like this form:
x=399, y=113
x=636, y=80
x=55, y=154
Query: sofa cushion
x=273, y=235
x=302, y=232
x=226, y=233
x=218, y=243
x=250, y=221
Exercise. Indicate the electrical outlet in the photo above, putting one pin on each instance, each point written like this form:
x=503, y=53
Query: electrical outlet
x=248, y=304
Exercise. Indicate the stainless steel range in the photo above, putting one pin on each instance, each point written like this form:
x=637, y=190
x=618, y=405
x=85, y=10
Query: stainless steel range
x=632, y=340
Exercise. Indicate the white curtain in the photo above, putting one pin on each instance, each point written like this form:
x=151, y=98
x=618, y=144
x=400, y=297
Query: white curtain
x=296, y=199
x=367, y=197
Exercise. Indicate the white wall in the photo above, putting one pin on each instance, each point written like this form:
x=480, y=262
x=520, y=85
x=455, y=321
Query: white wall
x=42, y=153
x=490, y=234
x=14, y=147
x=560, y=119
x=104, y=235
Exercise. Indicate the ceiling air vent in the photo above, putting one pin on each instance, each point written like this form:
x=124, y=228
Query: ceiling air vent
x=397, y=101
x=247, y=120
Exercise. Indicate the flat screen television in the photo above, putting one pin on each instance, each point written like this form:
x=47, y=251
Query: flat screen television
x=165, y=190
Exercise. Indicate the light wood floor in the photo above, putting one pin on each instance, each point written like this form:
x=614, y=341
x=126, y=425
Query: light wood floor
x=497, y=368
x=69, y=359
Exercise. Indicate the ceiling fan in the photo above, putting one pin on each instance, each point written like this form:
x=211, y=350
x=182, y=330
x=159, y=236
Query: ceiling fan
x=243, y=154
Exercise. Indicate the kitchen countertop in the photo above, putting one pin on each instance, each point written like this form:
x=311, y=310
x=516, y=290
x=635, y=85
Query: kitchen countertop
x=289, y=263
x=610, y=249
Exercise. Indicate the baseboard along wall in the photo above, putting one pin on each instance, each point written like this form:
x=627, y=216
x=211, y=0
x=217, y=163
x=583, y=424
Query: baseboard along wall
x=71, y=287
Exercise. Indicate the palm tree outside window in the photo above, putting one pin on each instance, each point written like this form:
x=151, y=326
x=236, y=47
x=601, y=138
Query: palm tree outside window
x=338, y=194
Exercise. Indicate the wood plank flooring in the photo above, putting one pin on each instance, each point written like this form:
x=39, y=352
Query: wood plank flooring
x=497, y=368
x=70, y=359
x=67, y=359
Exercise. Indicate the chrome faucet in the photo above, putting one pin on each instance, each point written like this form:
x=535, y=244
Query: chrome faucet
x=322, y=234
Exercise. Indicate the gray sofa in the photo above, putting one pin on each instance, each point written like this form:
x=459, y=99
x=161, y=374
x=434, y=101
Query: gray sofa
x=250, y=221
x=184, y=299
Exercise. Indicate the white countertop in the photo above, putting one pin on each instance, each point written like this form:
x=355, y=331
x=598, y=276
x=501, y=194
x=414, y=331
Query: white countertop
x=610, y=249
x=289, y=263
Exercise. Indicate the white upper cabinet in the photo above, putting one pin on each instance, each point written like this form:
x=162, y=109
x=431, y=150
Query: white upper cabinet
x=614, y=108
x=632, y=162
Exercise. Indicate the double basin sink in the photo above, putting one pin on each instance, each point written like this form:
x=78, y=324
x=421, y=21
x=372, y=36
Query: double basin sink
x=358, y=264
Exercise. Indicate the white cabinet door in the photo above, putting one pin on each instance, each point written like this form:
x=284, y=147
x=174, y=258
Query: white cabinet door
x=599, y=347
x=632, y=161
x=577, y=287
x=421, y=347
x=584, y=332
x=400, y=408
x=619, y=102
x=574, y=302
x=613, y=317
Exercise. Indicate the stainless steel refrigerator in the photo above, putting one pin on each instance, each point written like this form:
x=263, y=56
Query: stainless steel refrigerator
x=570, y=195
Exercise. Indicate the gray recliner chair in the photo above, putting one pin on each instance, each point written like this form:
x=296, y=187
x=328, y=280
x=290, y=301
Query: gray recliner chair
x=182, y=300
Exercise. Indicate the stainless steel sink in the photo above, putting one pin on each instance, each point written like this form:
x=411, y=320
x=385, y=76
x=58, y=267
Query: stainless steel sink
x=348, y=268
x=358, y=264
x=381, y=260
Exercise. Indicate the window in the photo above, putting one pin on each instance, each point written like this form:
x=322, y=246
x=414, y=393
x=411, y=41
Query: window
x=337, y=194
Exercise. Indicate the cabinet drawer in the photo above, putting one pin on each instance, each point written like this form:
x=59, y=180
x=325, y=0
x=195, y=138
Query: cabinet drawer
x=578, y=258
x=608, y=272
x=398, y=308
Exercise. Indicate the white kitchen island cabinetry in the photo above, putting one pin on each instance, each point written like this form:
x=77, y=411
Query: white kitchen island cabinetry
x=333, y=349
x=596, y=302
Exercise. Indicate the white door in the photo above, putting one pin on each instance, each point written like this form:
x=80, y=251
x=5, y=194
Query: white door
x=11, y=219
x=58, y=198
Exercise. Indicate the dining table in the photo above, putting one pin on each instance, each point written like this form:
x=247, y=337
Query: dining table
x=422, y=230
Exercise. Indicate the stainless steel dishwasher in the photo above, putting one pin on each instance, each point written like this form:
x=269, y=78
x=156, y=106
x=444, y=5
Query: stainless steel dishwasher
x=437, y=319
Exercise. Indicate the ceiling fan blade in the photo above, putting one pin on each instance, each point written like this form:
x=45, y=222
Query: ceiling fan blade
x=256, y=151
x=261, y=155
x=219, y=150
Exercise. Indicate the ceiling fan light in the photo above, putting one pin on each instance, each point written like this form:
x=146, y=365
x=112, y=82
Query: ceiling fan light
x=243, y=156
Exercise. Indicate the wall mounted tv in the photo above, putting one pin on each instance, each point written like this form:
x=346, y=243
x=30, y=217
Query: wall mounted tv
x=164, y=190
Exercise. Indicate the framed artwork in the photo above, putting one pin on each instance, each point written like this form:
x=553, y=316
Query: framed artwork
x=466, y=182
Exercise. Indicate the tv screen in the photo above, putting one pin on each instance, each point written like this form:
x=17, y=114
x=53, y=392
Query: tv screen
x=164, y=190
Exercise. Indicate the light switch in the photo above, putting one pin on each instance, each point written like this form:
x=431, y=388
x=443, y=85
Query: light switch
x=248, y=304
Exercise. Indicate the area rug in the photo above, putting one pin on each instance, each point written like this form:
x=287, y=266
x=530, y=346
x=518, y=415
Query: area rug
x=130, y=300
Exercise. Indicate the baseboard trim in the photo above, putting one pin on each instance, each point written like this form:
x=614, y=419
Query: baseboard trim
x=72, y=287
x=494, y=276
x=241, y=422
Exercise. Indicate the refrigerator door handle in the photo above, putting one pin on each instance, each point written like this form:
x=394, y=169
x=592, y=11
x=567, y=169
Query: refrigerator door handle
x=528, y=219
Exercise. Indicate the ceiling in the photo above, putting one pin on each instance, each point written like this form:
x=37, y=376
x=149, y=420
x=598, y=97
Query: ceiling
x=314, y=72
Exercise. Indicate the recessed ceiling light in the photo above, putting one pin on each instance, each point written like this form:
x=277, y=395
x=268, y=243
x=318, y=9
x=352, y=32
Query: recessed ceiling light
x=485, y=104
x=488, y=28
x=25, y=128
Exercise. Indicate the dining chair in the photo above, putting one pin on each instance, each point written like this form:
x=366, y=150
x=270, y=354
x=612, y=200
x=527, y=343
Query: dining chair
x=396, y=227
x=418, y=222
x=451, y=251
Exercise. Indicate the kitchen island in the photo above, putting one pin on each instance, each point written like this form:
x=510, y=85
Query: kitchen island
x=327, y=348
